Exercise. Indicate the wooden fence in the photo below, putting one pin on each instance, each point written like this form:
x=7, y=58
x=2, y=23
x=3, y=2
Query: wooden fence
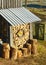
x=10, y=3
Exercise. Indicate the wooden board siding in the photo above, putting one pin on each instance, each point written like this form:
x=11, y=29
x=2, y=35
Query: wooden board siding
x=10, y=3
x=31, y=31
x=0, y=3
x=34, y=31
x=45, y=33
x=44, y=22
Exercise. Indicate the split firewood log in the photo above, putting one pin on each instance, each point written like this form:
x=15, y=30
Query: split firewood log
x=19, y=54
x=21, y=27
x=13, y=53
x=34, y=46
x=6, y=50
x=29, y=48
x=34, y=41
x=24, y=51
x=6, y=46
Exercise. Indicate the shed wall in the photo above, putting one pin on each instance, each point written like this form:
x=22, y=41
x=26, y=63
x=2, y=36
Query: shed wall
x=44, y=22
x=34, y=31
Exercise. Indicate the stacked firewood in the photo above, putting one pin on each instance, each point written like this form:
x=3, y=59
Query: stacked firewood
x=14, y=53
x=20, y=34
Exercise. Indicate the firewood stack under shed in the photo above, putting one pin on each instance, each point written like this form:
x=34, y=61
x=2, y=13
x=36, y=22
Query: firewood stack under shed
x=20, y=44
x=26, y=50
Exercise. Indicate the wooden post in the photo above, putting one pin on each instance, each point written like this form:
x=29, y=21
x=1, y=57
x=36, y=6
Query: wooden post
x=14, y=48
x=25, y=3
x=6, y=50
x=16, y=3
x=9, y=4
x=31, y=35
x=30, y=32
x=19, y=54
x=29, y=48
x=13, y=53
x=2, y=4
x=21, y=3
x=24, y=51
x=34, y=46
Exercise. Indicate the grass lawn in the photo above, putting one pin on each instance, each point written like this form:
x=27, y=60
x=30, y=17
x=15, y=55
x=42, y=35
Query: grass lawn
x=42, y=42
x=40, y=59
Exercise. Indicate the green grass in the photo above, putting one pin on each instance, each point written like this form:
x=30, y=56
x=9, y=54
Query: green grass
x=42, y=42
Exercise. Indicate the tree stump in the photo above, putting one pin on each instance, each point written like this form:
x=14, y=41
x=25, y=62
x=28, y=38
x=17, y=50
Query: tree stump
x=24, y=51
x=6, y=50
x=29, y=48
x=13, y=53
x=34, y=46
x=19, y=54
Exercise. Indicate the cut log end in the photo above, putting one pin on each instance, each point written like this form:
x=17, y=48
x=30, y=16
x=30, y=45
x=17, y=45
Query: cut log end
x=19, y=54
x=6, y=51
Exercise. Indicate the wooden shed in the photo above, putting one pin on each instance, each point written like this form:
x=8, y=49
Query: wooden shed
x=39, y=30
x=16, y=25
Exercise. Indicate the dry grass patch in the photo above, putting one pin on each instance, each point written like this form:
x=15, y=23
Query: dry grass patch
x=40, y=59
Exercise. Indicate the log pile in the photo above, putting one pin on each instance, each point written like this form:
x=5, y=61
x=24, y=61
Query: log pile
x=20, y=34
x=15, y=53
x=6, y=51
x=28, y=46
x=21, y=45
x=26, y=50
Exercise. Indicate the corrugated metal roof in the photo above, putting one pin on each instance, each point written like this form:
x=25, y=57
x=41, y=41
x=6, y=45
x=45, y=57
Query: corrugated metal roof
x=18, y=16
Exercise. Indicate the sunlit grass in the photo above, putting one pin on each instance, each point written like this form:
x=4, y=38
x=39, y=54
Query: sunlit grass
x=40, y=59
